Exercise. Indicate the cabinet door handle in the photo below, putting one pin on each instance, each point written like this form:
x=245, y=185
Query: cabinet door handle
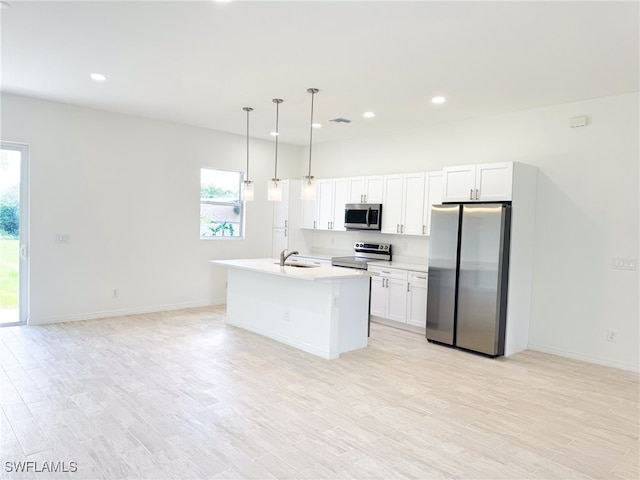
x=386, y=282
x=423, y=278
x=314, y=224
x=383, y=271
x=365, y=198
x=408, y=287
x=286, y=224
x=401, y=228
x=397, y=228
x=471, y=194
x=285, y=232
x=477, y=194
x=361, y=198
x=424, y=227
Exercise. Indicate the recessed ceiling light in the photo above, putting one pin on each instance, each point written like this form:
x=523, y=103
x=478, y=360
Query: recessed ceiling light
x=274, y=134
x=98, y=77
x=316, y=125
x=4, y=5
x=438, y=100
x=369, y=114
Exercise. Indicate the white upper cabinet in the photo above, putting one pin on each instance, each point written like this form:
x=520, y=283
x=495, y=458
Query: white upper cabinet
x=403, y=204
x=432, y=196
x=286, y=231
x=478, y=183
x=326, y=212
x=392, y=204
x=281, y=209
x=357, y=189
x=309, y=214
x=324, y=197
x=366, y=189
x=374, y=185
x=459, y=183
x=494, y=181
x=413, y=204
x=340, y=199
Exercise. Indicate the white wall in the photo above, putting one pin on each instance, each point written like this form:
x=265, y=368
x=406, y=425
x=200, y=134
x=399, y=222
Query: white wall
x=586, y=210
x=126, y=190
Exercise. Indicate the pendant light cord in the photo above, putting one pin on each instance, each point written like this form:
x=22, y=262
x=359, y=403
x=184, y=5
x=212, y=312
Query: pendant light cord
x=275, y=173
x=247, y=109
x=313, y=92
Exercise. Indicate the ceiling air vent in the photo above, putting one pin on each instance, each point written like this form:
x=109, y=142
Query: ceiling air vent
x=340, y=120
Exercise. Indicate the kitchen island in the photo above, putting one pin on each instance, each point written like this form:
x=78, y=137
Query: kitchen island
x=320, y=310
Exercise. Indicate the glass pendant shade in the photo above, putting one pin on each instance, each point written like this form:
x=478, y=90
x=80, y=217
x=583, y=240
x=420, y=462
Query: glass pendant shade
x=308, y=191
x=274, y=192
x=248, y=191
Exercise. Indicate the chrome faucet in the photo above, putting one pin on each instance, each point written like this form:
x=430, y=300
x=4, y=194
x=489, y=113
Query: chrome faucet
x=284, y=255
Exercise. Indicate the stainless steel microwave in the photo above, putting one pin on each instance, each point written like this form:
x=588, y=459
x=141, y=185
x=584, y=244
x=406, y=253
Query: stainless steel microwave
x=363, y=216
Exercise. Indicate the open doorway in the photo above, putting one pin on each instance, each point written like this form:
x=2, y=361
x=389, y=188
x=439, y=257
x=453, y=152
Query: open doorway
x=14, y=235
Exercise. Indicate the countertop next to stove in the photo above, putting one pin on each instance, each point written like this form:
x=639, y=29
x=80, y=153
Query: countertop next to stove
x=414, y=267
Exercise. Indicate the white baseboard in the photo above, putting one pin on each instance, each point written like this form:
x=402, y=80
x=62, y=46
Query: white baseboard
x=585, y=358
x=124, y=311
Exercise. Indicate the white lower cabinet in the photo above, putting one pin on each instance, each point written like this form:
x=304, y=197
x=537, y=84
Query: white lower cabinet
x=399, y=295
x=397, y=306
x=379, y=297
x=389, y=293
x=417, y=299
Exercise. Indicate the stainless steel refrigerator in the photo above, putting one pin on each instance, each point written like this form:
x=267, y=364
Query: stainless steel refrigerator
x=468, y=276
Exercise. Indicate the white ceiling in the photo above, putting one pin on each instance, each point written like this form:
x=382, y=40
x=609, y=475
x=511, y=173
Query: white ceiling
x=199, y=63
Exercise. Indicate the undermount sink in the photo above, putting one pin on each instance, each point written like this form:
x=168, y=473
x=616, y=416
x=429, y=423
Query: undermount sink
x=298, y=265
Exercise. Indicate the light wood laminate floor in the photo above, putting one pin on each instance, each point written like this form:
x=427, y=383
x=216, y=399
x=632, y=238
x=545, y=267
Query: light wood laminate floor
x=182, y=395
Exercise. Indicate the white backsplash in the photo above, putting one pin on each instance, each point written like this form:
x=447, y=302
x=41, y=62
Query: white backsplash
x=406, y=248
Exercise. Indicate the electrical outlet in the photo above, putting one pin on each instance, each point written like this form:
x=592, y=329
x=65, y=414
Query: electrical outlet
x=612, y=336
x=287, y=316
x=62, y=238
x=115, y=293
x=619, y=263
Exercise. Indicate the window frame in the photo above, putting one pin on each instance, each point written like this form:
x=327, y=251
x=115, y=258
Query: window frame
x=240, y=203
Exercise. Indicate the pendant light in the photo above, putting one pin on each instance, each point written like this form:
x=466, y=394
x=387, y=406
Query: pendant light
x=308, y=185
x=275, y=189
x=248, y=184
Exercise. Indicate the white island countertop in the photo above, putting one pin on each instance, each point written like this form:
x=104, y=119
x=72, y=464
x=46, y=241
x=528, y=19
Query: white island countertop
x=326, y=317
x=272, y=266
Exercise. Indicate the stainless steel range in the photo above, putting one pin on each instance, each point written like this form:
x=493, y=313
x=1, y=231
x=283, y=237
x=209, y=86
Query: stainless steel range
x=364, y=253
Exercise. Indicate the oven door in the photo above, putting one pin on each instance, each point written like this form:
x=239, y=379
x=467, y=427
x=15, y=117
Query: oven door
x=362, y=216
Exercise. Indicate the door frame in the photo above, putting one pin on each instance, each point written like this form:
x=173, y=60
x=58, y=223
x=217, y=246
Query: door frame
x=24, y=265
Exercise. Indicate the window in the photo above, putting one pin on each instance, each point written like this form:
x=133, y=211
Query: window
x=221, y=210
